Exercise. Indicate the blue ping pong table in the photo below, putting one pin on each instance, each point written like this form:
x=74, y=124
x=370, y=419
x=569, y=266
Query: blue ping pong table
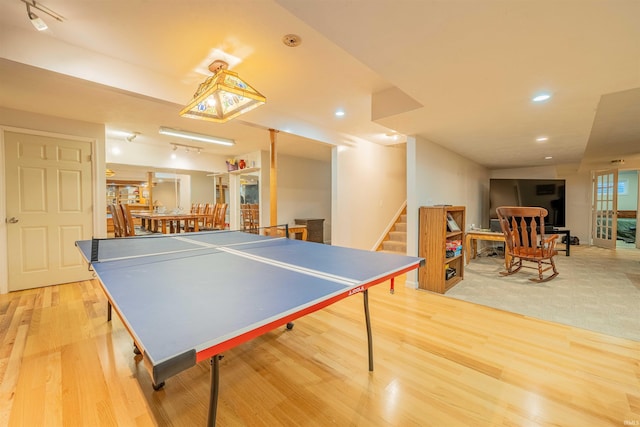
x=188, y=298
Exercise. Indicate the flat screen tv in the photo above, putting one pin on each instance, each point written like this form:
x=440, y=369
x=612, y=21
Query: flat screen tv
x=546, y=193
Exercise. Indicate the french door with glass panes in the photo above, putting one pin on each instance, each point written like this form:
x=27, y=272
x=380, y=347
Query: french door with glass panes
x=605, y=208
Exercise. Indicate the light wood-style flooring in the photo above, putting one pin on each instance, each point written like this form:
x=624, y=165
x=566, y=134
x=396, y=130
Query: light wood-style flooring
x=438, y=362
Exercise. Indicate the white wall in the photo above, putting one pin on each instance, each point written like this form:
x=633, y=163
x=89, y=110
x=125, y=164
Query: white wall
x=579, y=194
x=202, y=188
x=444, y=177
x=629, y=201
x=140, y=153
x=304, y=191
x=173, y=191
x=436, y=175
x=368, y=188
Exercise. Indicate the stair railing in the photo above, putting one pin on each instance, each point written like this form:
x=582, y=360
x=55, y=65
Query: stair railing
x=385, y=233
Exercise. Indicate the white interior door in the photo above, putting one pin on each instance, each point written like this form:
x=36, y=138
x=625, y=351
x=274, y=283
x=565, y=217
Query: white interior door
x=605, y=208
x=48, y=202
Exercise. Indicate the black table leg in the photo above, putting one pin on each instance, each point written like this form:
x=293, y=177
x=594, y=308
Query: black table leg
x=213, y=394
x=365, y=295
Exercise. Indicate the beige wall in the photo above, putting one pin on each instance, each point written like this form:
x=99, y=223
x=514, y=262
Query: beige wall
x=436, y=175
x=202, y=188
x=304, y=191
x=368, y=188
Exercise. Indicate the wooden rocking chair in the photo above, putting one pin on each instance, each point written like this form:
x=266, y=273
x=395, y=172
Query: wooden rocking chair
x=523, y=229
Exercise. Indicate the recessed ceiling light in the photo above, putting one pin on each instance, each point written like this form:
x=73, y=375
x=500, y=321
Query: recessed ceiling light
x=542, y=138
x=542, y=97
x=395, y=137
x=339, y=113
x=548, y=158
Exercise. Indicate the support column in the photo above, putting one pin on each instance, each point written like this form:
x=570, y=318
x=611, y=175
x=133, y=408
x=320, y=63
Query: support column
x=150, y=189
x=273, y=179
x=220, y=193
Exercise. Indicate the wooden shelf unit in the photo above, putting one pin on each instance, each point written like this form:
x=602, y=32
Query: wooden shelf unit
x=315, y=228
x=123, y=192
x=432, y=242
x=235, y=172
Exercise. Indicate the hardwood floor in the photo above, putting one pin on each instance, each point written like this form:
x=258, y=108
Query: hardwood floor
x=438, y=362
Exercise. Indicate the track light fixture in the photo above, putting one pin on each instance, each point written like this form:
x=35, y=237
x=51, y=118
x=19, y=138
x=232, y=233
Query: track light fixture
x=132, y=136
x=37, y=22
x=187, y=148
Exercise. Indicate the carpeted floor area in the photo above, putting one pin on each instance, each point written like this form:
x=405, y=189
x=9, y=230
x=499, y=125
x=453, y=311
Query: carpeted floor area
x=597, y=289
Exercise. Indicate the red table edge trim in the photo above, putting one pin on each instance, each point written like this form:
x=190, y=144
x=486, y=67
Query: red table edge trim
x=235, y=341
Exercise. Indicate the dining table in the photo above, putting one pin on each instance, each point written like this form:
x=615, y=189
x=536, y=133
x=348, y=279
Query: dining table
x=168, y=222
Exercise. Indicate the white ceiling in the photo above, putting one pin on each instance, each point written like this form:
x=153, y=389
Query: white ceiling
x=460, y=73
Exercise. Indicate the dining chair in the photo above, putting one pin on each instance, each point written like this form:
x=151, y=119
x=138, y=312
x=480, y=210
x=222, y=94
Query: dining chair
x=118, y=220
x=208, y=218
x=245, y=214
x=525, y=240
x=129, y=226
x=255, y=215
x=199, y=209
x=127, y=221
x=220, y=216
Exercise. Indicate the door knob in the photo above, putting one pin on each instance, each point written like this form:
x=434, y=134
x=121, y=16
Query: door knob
x=12, y=220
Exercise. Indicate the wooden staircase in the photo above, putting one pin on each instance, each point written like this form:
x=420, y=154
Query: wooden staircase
x=396, y=239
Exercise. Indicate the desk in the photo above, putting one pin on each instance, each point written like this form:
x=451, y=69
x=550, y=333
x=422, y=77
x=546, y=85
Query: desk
x=205, y=293
x=471, y=243
x=567, y=233
x=156, y=222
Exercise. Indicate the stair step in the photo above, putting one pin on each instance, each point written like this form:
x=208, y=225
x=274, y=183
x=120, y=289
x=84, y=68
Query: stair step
x=392, y=252
x=397, y=239
x=393, y=246
x=398, y=236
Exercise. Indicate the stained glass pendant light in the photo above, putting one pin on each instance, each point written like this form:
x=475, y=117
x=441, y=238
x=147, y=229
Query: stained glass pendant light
x=222, y=96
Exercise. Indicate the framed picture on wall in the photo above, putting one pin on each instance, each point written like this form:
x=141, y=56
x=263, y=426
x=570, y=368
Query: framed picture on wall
x=451, y=223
